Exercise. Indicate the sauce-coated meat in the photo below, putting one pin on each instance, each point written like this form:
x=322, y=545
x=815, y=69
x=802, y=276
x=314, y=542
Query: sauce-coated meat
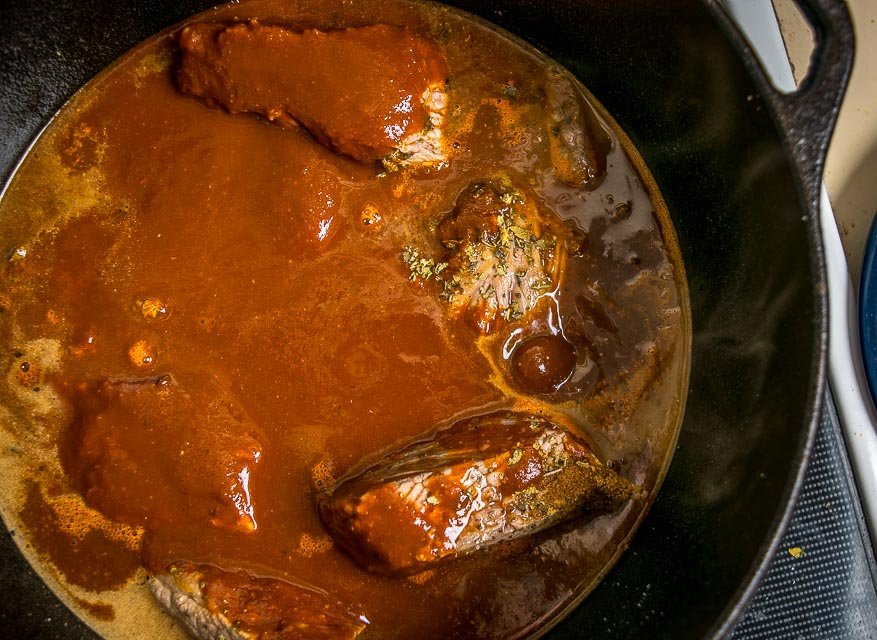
x=216, y=604
x=481, y=481
x=579, y=145
x=384, y=84
x=500, y=258
x=182, y=437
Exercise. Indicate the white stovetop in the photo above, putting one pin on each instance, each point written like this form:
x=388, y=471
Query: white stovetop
x=849, y=201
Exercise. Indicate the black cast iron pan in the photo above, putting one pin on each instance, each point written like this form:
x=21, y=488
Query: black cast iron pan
x=739, y=166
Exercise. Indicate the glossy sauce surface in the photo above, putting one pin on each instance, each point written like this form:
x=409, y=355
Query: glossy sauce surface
x=151, y=237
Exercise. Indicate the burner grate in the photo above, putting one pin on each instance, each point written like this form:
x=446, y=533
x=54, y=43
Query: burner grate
x=828, y=591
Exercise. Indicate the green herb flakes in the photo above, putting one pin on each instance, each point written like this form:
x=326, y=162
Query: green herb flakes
x=421, y=267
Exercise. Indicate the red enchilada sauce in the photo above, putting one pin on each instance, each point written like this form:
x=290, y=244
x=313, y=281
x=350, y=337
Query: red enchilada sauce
x=222, y=293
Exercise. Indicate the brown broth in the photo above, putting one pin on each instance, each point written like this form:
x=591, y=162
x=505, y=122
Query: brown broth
x=251, y=239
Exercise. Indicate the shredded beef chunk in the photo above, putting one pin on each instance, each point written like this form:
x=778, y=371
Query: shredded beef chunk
x=121, y=436
x=500, y=259
x=579, y=144
x=481, y=481
x=371, y=93
x=215, y=604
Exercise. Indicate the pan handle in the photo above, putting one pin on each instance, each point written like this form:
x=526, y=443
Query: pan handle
x=809, y=114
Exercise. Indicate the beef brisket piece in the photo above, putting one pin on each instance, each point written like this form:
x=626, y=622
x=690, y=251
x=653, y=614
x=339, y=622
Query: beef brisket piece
x=164, y=450
x=479, y=482
x=371, y=93
x=579, y=143
x=216, y=604
x=500, y=256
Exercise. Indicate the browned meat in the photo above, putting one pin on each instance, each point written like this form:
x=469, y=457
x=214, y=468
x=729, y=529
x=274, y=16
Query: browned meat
x=481, y=481
x=387, y=102
x=579, y=144
x=120, y=440
x=501, y=257
x=215, y=604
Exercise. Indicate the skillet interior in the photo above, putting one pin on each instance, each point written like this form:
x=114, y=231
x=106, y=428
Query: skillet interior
x=675, y=84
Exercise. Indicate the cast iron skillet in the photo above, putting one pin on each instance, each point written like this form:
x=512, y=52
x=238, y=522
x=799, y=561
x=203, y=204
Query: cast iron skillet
x=739, y=166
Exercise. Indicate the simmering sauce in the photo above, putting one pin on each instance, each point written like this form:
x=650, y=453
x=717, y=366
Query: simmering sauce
x=208, y=318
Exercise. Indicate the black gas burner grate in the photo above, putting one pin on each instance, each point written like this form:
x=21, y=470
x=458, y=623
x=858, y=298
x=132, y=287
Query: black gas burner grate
x=821, y=584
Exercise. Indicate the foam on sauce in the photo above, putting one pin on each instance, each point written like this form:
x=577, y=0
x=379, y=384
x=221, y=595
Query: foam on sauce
x=147, y=234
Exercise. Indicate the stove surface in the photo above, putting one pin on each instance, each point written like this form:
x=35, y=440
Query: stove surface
x=821, y=583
